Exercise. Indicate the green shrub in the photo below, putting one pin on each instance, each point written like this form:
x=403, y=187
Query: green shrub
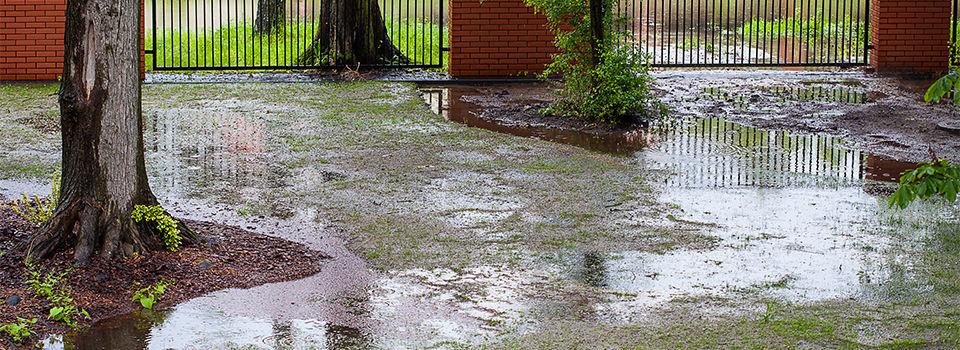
x=165, y=224
x=608, y=88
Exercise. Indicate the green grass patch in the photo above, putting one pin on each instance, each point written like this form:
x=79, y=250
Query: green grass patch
x=236, y=44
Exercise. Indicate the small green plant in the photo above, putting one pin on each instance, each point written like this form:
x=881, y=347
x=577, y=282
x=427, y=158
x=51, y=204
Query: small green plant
x=165, y=224
x=928, y=179
x=44, y=285
x=20, y=330
x=149, y=295
x=245, y=209
x=50, y=285
x=39, y=209
x=65, y=310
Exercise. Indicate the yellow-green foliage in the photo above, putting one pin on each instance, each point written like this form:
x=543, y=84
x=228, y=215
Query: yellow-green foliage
x=39, y=209
x=166, y=224
x=20, y=330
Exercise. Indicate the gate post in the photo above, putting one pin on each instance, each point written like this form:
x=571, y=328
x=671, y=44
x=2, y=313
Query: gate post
x=497, y=38
x=910, y=37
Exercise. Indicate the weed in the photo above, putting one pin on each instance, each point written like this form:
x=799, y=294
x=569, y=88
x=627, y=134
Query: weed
x=39, y=209
x=165, y=224
x=149, y=295
x=20, y=330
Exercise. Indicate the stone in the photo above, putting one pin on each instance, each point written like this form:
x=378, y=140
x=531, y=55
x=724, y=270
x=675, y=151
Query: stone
x=13, y=300
x=206, y=265
x=951, y=126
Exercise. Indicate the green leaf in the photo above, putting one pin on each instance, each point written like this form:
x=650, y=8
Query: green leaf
x=941, y=87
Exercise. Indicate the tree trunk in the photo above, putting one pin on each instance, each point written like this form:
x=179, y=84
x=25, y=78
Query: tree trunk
x=270, y=17
x=351, y=32
x=103, y=172
x=596, y=30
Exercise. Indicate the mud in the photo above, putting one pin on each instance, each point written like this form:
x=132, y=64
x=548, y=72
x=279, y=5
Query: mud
x=881, y=115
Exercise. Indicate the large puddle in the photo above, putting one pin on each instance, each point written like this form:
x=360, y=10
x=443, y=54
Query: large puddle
x=791, y=215
x=794, y=214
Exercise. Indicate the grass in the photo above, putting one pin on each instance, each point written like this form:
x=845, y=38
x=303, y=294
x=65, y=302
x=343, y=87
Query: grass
x=236, y=45
x=843, y=39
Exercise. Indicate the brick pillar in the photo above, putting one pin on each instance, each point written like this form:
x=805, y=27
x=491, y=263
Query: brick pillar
x=31, y=39
x=497, y=38
x=910, y=36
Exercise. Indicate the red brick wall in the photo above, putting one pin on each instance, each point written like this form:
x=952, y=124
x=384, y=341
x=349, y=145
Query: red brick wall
x=31, y=39
x=910, y=36
x=497, y=38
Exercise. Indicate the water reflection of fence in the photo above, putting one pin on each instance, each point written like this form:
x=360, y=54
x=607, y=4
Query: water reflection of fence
x=230, y=35
x=718, y=153
x=750, y=33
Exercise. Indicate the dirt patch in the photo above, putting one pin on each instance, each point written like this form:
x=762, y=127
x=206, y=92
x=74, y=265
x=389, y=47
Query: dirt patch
x=230, y=258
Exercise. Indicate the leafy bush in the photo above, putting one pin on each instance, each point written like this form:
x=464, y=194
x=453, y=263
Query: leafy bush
x=165, y=224
x=38, y=210
x=929, y=179
x=608, y=87
x=148, y=296
x=20, y=330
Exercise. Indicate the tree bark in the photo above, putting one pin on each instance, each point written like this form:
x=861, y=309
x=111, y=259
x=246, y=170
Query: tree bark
x=270, y=17
x=351, y=32
x=103, y=171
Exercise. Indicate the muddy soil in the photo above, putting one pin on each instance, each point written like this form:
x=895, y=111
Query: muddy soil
x=881, y=115
x=230, y=257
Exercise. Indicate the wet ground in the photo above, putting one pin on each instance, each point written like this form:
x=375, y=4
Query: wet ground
x=444, y=234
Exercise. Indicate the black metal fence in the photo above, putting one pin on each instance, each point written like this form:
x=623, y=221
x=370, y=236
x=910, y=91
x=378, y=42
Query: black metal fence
x=715, y=33
x=273, y=34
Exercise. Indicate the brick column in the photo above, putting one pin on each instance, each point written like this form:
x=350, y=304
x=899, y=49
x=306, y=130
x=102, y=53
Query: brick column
x=497, y=38
x=31, y=39
x=910, y=36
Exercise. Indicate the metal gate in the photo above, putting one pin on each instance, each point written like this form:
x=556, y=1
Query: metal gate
x=226, y=34
x=730, y=33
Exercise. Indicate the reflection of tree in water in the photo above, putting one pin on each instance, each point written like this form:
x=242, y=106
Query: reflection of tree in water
x=130, y=331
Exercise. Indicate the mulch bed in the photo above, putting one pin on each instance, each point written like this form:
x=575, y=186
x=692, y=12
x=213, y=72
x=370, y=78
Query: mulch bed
x=230, y=258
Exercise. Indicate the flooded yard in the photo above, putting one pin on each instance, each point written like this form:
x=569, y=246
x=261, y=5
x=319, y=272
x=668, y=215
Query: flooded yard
x=449, y=228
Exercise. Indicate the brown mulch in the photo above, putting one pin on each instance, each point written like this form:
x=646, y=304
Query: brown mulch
x=230, y=257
